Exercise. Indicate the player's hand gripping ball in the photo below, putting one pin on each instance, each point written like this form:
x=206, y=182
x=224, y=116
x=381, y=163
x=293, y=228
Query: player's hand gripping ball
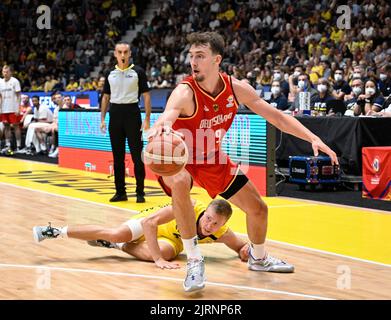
x=166, y=154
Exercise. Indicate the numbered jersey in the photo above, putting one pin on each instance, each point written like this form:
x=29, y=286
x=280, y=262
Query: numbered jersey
x=212, y=117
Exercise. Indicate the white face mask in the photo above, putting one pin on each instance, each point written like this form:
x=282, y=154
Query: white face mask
x=296, y=74
x=277, y=76
x=301, y=84
x=370, y=91
x=275, y=90
x=382, y=76
x=356, y=90
x=286, y=77
x=356, y=75
x=322, y=88
x=338, y=77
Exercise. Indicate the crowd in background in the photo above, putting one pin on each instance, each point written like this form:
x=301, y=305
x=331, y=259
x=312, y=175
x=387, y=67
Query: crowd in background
x=287, y=50
x=81, y=33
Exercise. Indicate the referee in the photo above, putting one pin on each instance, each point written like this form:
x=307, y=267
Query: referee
x=122, y=89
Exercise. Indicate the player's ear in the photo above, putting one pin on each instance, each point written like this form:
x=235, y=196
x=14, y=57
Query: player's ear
x=218, y=59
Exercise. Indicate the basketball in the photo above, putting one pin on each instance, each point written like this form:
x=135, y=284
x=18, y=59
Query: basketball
x=166, y=154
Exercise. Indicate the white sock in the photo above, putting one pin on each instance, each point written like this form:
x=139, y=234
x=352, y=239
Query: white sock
x=64, y=232
x=258, y=251
x=192, y=249
x=120, y=245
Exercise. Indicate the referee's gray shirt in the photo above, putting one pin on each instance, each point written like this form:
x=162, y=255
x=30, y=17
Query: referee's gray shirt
x=126, y=85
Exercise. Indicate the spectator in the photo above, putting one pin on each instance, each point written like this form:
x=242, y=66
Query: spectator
x=303, y=85
x=340, y=87
x=384, y=83
x=68, y=104
x=320, y=102
x=41, y=119
x=10, y=93
x=371, y=101
x=72, y=85
x=351, y=100
x=277, y=98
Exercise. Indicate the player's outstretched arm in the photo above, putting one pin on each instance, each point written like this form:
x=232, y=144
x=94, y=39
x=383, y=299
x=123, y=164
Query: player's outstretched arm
x=286, y=123
x=150, y=227
x=232, y=241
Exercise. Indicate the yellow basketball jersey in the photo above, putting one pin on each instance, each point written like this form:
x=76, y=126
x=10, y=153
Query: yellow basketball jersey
x=170, y=230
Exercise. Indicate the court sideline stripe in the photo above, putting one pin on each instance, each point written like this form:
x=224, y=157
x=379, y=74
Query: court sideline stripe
x=321, y=251
x=133, y=275
x=68, y=197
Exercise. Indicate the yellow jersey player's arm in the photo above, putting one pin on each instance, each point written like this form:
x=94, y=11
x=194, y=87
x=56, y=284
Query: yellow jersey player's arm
x=150, y=226
x=232, y=241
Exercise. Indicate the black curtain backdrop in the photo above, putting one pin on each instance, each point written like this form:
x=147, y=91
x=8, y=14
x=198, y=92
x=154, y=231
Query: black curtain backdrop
x=345, y=135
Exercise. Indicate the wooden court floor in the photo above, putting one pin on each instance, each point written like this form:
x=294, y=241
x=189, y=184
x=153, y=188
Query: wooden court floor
x=70, y=269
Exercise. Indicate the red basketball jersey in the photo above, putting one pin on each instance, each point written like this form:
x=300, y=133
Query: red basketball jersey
x=213, y=116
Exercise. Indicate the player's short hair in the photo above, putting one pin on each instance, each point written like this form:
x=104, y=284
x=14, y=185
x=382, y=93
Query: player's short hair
x=215, y=41
x=7, y=66
x=37, y=97
x=221, y=207
x=122, y=42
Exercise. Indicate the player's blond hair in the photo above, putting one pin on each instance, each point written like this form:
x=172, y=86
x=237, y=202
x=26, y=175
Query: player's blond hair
x=221, y=207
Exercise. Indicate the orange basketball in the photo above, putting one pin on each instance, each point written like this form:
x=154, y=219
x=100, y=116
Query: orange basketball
x=166, y=154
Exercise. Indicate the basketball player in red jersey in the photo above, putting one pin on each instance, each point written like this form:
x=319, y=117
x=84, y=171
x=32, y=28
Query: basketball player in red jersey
x=206, y=103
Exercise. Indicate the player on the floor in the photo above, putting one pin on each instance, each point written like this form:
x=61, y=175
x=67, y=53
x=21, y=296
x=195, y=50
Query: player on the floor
x=204, y=105
x=154, y=236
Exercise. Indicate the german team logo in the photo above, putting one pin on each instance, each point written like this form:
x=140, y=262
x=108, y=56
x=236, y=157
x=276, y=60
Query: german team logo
x=376, y=164
x=216, y=107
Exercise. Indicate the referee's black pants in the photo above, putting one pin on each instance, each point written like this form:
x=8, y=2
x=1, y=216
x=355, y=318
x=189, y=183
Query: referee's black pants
x=125, y=123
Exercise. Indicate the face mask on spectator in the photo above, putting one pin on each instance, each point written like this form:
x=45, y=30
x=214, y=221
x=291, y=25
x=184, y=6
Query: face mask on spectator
x=356, y=75
x=286, y=77
x=275, y=90
x=322, y=88
x=296, y=74
x=382, y=76
x=302, y=84
x=356, y=90
x=277, y=76
x=338, y=77
x=370, y=91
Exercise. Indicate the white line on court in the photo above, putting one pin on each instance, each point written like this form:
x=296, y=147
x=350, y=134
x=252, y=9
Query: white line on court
x=135, y=275
x=322, y=251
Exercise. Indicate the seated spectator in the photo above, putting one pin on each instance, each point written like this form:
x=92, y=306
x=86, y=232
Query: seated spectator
x=384, y=83
x=320, y=106
x=278, y=76
x=303, y=85
x=351, y=99
x=68, y=103
x=24, y=111
x=340, y=87
x=277, y=98
x=53, y=127
x=371, y=101
x=49, y=83
x=42, y=118
x=72, y=85
x=293, y=82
